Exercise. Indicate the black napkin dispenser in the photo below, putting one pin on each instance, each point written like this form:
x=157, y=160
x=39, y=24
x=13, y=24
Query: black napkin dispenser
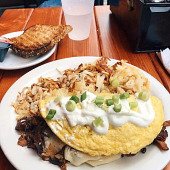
x=146, y=23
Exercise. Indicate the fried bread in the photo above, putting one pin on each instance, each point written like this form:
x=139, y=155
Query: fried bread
x=38, y=39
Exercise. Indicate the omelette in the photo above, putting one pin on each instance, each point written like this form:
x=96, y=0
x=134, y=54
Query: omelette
x=101, y=129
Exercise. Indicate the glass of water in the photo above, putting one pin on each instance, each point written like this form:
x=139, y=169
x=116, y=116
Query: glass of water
x=78, y=14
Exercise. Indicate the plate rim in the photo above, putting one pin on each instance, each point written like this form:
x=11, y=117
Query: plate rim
x=39, y=68
x=38, y=60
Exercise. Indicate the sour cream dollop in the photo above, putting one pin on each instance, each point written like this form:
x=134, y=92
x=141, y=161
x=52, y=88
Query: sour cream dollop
x=89, y=111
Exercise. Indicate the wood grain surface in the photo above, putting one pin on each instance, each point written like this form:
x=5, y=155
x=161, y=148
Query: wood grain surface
x=89, y=47
x=14, y=20
x=106, y=39
x=164, y=75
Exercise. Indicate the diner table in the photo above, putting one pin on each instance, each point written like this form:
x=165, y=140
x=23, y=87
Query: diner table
x=107, y=39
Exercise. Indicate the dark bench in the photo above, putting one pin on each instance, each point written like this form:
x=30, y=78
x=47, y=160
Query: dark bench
x=19, y=3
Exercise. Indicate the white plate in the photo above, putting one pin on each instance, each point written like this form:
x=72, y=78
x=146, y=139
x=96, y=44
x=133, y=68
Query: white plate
x=25, y=159
x=14, y=62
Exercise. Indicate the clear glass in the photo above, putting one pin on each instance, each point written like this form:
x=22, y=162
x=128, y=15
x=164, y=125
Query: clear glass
x=78, y=14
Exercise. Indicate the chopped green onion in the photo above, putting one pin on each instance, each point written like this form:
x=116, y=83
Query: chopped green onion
x=51, y=114
x=70, y=106
x=117, y=107
x=124, y=95
x=114, y=82
x=57, y=99
x=83, y=96
x=99, y=100
x=104, y=107
x=109, y=102
x=133, y=105
x=74, y=98
x=98, y=122
x=144, y=95
x=115, y=98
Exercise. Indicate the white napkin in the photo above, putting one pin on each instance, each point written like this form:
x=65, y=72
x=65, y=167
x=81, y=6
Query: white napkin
x=165, y=58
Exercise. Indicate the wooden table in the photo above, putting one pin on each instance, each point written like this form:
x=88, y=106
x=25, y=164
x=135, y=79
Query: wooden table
x=106, y=39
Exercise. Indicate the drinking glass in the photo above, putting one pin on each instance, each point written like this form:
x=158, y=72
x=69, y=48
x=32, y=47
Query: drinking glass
x=78, y=14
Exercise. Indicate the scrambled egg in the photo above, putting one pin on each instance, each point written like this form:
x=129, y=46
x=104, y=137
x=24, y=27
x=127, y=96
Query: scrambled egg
x=126, y=139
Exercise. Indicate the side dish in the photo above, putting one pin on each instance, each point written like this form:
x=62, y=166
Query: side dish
x=38, y=39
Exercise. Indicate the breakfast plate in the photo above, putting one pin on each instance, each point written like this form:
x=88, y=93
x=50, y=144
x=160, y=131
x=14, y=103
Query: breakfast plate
x=25, y=159
x=14, y=62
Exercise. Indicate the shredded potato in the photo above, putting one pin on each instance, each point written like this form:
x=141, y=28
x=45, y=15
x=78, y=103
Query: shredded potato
x=92, y=77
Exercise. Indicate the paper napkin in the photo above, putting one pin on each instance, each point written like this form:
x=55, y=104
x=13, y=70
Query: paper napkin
x=165, y=58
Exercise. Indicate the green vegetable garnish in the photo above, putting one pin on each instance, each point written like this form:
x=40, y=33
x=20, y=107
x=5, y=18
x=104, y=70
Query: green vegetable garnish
x=133, y=105
x=99, y=100
x=83, y=96
x=114, y=82
x=51, y=114
x=74, y=98
x=124, y=95
x=115, y=98
x=104, y=107
x=70, y=106
x=57, y=99
x=109, y=102
x=98, y=122
x=117, y=107
x=144, y=95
